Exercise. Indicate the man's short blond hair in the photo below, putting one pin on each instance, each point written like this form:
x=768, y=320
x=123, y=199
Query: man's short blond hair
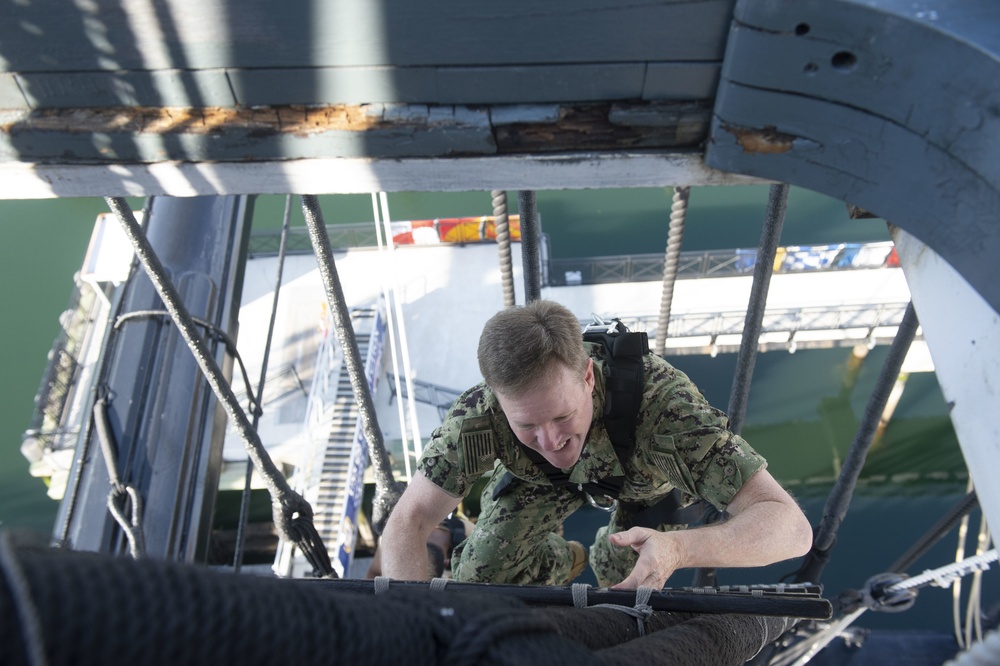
x=520, y=346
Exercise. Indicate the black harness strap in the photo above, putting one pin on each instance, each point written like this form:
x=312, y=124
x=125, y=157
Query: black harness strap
x=624, y=379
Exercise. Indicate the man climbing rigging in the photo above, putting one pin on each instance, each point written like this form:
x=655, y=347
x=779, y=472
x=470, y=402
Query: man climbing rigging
x=558, y=421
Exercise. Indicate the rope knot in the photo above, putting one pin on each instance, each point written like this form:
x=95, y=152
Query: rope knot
x=642, y=611
x=878, y=594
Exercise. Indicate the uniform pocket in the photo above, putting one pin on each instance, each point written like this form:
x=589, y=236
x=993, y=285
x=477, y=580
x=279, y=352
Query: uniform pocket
x=663, y=454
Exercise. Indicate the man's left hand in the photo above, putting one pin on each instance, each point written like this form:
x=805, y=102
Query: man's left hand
x=658, y=557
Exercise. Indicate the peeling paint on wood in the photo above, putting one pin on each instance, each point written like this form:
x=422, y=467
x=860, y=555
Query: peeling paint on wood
x=609, y=127
x=767, y=140
x=342, y=130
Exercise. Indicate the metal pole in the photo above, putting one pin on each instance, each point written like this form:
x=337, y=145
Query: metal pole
x=843, y=491
x=774, y=219
x=529, y=246
x=245, y=498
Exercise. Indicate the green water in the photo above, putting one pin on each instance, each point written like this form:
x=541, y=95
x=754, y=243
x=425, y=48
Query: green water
x=801, y=416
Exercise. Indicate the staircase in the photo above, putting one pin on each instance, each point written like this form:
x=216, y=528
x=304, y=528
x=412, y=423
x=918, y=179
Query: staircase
x=328, y=507
x=328, y=474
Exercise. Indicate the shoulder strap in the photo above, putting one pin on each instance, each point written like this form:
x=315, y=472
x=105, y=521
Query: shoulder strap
x=624, y=379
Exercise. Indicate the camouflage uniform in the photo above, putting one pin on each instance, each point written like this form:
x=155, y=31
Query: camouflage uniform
x=681, y=442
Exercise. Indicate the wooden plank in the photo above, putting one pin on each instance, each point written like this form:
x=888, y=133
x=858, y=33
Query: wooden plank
x=358, y=85
x=537, y=84
x=681, y=80
x=440, y=85
x=610, y=127
x=333, y=85
x=949, y=83
x=48, y=35
x=20, y=180
x=909, y=147
x=154, y=134
x=10, y=93
x=172, y=88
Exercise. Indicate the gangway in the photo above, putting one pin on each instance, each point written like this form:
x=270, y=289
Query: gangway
x=330, y=474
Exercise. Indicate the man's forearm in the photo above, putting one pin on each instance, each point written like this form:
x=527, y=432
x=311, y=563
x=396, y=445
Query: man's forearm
x=763, y=534
x=404, y=552
x=766, y=527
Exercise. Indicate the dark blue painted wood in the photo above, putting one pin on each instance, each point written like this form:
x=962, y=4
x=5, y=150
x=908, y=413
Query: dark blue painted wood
x=883, y=105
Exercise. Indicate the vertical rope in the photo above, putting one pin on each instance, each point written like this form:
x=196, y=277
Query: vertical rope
x=529, y=246
x=292, y=513
x=503, y=246
x=678, y=214
x=840, y=496
x=387, y=489
x=774, y=219
x=245, y=497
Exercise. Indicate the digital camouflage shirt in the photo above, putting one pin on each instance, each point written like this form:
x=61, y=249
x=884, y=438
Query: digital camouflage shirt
x=681, y=442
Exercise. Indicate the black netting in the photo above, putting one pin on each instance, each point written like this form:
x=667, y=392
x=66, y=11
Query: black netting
x=96, y=609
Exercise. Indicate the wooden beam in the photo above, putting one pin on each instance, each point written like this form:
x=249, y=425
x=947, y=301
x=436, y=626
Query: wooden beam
x=20, y=180
x=225, y=134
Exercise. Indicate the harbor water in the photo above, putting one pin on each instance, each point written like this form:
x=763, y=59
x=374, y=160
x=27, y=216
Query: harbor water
x=803, y=413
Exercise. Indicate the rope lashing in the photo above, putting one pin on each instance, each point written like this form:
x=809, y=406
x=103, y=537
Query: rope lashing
x=292, y=513
x=642, y=611
x=946, y=575
x=122, y=496
x=881, y=594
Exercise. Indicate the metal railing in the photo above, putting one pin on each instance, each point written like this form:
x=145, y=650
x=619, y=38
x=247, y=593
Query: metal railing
x=696, y=333
x=714, y=263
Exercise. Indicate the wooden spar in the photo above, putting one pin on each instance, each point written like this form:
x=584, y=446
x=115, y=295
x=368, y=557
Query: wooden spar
x=324, y=175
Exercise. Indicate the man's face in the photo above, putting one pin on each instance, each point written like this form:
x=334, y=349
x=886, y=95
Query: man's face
x=554, y=418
